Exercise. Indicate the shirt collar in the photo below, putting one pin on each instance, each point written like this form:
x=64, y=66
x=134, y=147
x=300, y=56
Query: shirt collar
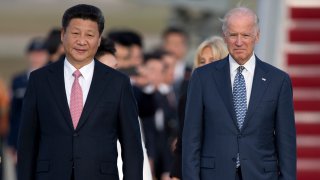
x=85, y=70
x=249, y=65
x=164, y=89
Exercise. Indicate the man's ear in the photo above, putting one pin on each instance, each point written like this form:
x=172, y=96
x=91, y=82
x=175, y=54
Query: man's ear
x=62, y=34
x=224, y=36
x=258, y=36
x=99, y=41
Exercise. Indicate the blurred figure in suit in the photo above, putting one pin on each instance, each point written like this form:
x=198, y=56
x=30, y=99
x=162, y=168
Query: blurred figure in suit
x=175, y=41
x=161, y=125
x=37, y=57
x=212, y=49
x=106, y=54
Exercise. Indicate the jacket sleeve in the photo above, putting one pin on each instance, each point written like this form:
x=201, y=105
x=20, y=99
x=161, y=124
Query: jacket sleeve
x=285, y=132
x=129, y=136
x=28, y=135
x=192, y=130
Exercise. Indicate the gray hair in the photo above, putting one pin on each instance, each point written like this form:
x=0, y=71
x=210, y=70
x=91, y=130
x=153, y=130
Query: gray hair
x=240, y=11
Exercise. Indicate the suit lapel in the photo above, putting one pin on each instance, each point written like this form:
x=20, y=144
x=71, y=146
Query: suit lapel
x=96, y=89
x=259, y=85
x=222, y=79
x=56, y=81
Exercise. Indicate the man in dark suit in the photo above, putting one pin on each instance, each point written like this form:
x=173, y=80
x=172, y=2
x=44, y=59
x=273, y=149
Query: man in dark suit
x=175, y=41
x=75, y=110
x=239, y=116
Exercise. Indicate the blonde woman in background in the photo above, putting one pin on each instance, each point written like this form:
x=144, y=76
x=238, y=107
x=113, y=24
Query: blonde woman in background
x=212, y=49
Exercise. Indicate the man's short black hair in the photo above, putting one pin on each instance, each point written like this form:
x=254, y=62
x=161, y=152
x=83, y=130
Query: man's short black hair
x=154, y=56
x=53, y=40
x=126, y=38
x=106, y=47
x=174, y=30
x=134, y=37
x=86, y=12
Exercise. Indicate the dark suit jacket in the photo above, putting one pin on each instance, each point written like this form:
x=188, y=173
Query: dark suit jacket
x=147, y=108
x=211, y=139
x=18, y=88
x=177, y=159
x=49, y=148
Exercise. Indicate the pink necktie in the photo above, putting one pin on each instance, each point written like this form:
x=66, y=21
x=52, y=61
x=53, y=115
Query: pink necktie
x=76, y=99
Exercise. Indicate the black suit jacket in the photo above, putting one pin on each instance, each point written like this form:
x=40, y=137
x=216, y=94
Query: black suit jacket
x=211, y=138
x=50, y=148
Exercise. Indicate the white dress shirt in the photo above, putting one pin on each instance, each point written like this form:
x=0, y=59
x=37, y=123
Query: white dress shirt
x=247, y=73
x=84, y=80
x=179, y=70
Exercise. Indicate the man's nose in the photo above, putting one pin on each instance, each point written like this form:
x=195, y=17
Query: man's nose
x=81, y=40
x=239, y=40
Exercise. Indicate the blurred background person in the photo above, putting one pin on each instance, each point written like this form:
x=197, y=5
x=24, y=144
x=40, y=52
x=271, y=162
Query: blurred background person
x=175, y=40
x=211, y=49
x=37, y=57
x=54, y=45
x=169, y=61
x=129, y=46
x=4, y=113
x=158, y=104
x=106, y=54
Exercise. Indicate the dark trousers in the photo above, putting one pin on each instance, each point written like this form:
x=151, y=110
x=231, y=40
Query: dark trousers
x=72, y=175
x=238, y=174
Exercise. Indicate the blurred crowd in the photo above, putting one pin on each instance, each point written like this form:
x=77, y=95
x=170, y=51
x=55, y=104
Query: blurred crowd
x=159, y=79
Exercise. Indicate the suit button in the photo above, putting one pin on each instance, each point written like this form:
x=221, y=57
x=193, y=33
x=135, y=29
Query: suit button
x=239, y=136
x=75, y=135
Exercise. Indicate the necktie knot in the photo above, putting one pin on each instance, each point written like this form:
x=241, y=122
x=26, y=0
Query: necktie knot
x=77, y=74
x=240, y=69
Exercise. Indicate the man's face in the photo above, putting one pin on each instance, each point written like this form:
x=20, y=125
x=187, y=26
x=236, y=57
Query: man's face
x=154, y=70
x=122, y=52
x=81, y=40
x=109, y=60
x=176, y=44
x=37, y=59
x=136, y=55
x=241, y=37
